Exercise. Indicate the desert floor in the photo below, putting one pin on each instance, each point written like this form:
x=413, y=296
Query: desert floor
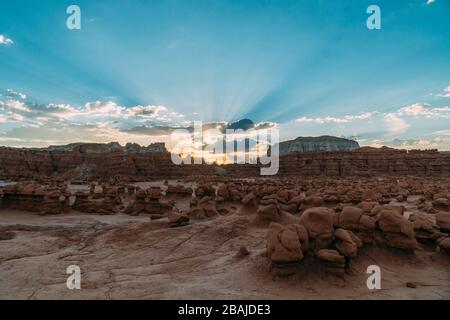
x=126, y=257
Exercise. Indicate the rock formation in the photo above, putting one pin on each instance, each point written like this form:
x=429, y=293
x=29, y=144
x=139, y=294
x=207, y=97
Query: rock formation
x=97, y=161
x=314, y=144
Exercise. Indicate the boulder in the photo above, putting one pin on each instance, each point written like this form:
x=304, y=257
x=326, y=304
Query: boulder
x=392, y=221
x=303, y=235
x=330, y=255
x=349, y=217
x=347, y=243
x=332, y=261
x=269, y=213
x=283, y=245
x=444, y=245
x=177, y=219
x=424, y=225
x=376, y=210
x=367, y=223
x=397, y=231
x=443, y=221
x=441, y=203
x=367, y=206
x=318, y=221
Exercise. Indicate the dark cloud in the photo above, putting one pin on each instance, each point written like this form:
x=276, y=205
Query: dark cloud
x=151, y=131
x=244, y=124
x=159, y=130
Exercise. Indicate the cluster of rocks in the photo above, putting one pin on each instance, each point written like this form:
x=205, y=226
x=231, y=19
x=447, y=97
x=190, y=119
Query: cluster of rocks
x=331, y=222
x=325, y=218
x=95, y=198
x=206, y=207
x=149, y=201
x=35, y=198
x=179, y=190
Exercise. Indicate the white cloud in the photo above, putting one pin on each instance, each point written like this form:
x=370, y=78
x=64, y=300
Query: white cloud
x=445, y=94
x=5, y=41
x=443, y=132
x=424, y=110
x=440, y=143
x=416, y=109
x=345, y=119
x=13, y=94
x=396, y=125
x=14, y=105
x=105, y=121
x=108, y=108
x=145, y=111
x=11, y=116
x=321, y=120
x=91, y=111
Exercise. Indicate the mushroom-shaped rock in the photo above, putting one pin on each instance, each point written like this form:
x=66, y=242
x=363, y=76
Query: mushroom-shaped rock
x=269, y=212
x=330, y=255
x=249, y=199
x=349, y=217
x=177, y=219
x=423, y=225
x=444, y=245
x=283, y=245
x=377, y=209
x=398, y=232
x=443, y=220
x=317, y=221
x=303, y=235
x=347, y=243
x=367, y=223
x=391, y=221
x=441, y=203
x=367, y=206
x=332, y=261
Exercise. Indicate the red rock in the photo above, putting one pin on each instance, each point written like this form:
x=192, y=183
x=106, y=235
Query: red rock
x=367, y=206
x=367, y=223
x=346, y=243
x=318, y=221
x=350, y=217
x=283, y=245
x=443, y=220
x=269, y=213
x=177, y=219
x=330, y=255
x=441, y=203
x=444, y=245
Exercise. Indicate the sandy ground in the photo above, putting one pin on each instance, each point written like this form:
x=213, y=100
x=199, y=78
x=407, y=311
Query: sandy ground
x=129, y=257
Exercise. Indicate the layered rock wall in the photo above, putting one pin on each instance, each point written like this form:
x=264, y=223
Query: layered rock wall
x=34, y=164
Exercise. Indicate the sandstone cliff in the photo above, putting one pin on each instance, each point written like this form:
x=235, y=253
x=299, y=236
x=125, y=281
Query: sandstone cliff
x=26, y=164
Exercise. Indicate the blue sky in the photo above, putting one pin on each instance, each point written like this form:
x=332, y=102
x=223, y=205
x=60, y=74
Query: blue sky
x=310, y=67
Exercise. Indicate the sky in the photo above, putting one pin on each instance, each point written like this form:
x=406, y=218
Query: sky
x=137, y=69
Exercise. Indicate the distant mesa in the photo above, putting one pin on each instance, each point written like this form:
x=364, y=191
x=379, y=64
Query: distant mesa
x=81, y=147
x=300, y=144
x=322, y=143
